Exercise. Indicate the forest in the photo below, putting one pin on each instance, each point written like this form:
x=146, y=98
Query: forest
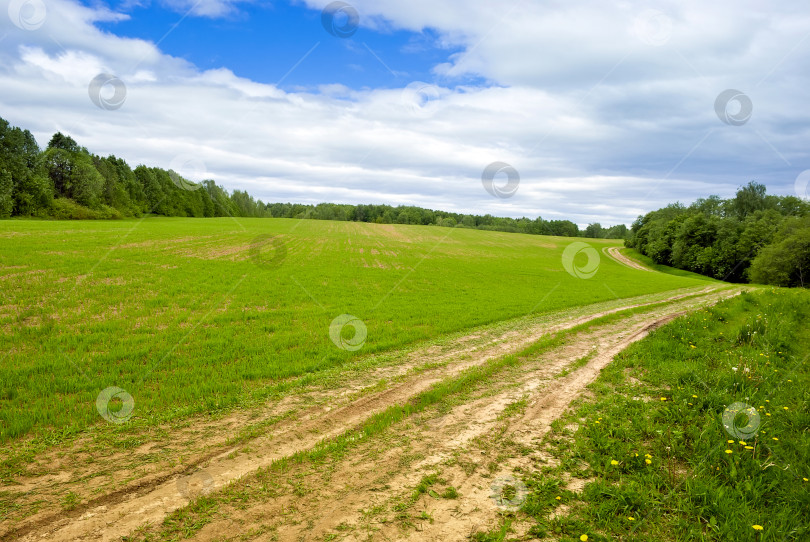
x=752, y=237
x=66, y=181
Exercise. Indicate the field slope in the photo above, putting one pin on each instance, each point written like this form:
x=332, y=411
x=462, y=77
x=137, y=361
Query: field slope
x=177, y=313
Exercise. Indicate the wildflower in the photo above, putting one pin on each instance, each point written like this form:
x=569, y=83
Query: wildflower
x=749, y=447
x=614, y=462
x=693, y=346
x=805, y=479
x=742, y=442
x=767, y=413
x=558, y=497
x=785, y=408
x=648, y=456
x=663, y=398
x=584, y=538
x=731, y=442
x=758, y=527
x=631, y=518
x=694, y=397
x=774, y=438
x=729, y=452
x=690, y=404
x=647, y=461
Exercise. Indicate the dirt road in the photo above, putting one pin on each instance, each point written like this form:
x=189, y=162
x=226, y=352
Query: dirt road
x=361, y=495
x=615, y=253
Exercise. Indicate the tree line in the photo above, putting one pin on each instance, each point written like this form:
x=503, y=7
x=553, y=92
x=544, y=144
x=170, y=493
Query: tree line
x=752, y=237
x=66, y=181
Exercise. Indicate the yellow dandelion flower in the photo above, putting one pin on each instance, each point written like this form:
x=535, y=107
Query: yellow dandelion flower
x=558, y=497
x=648, y=455
x=694, y=397
x=786, y=408
x=647, y=461
x=731, y=442
x=614, y=462
x=767, y=413
x=758, y=527
x=749, y=447
x=690, y=404
x=631, y=518
x=805, y=479
x=663, y=398
x=729, y=451
x=584, y=538
x=774, y=438
x=742, y=442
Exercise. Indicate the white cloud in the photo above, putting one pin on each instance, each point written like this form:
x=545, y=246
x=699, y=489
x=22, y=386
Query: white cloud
x=601, y=125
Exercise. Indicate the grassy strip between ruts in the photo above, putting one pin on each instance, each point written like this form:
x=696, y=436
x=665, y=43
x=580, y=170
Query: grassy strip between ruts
x=683, y=465
x=192, y=518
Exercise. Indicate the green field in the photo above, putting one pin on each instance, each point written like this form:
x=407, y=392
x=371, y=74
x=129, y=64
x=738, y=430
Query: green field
x=186, y=315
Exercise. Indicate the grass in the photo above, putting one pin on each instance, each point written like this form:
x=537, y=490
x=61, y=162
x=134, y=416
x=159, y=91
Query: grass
x=190, y=316
x=674, y=271
x=658, y=461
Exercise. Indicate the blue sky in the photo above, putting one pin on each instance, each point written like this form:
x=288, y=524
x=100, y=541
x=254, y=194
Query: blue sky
x=262, y=42
x=606, y=111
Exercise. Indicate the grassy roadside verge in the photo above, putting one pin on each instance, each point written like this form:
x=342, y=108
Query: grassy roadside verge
x=648, y=262
x=698, y=432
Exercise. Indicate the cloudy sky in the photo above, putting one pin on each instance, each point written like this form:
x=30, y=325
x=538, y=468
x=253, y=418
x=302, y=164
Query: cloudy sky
x=603, y=111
